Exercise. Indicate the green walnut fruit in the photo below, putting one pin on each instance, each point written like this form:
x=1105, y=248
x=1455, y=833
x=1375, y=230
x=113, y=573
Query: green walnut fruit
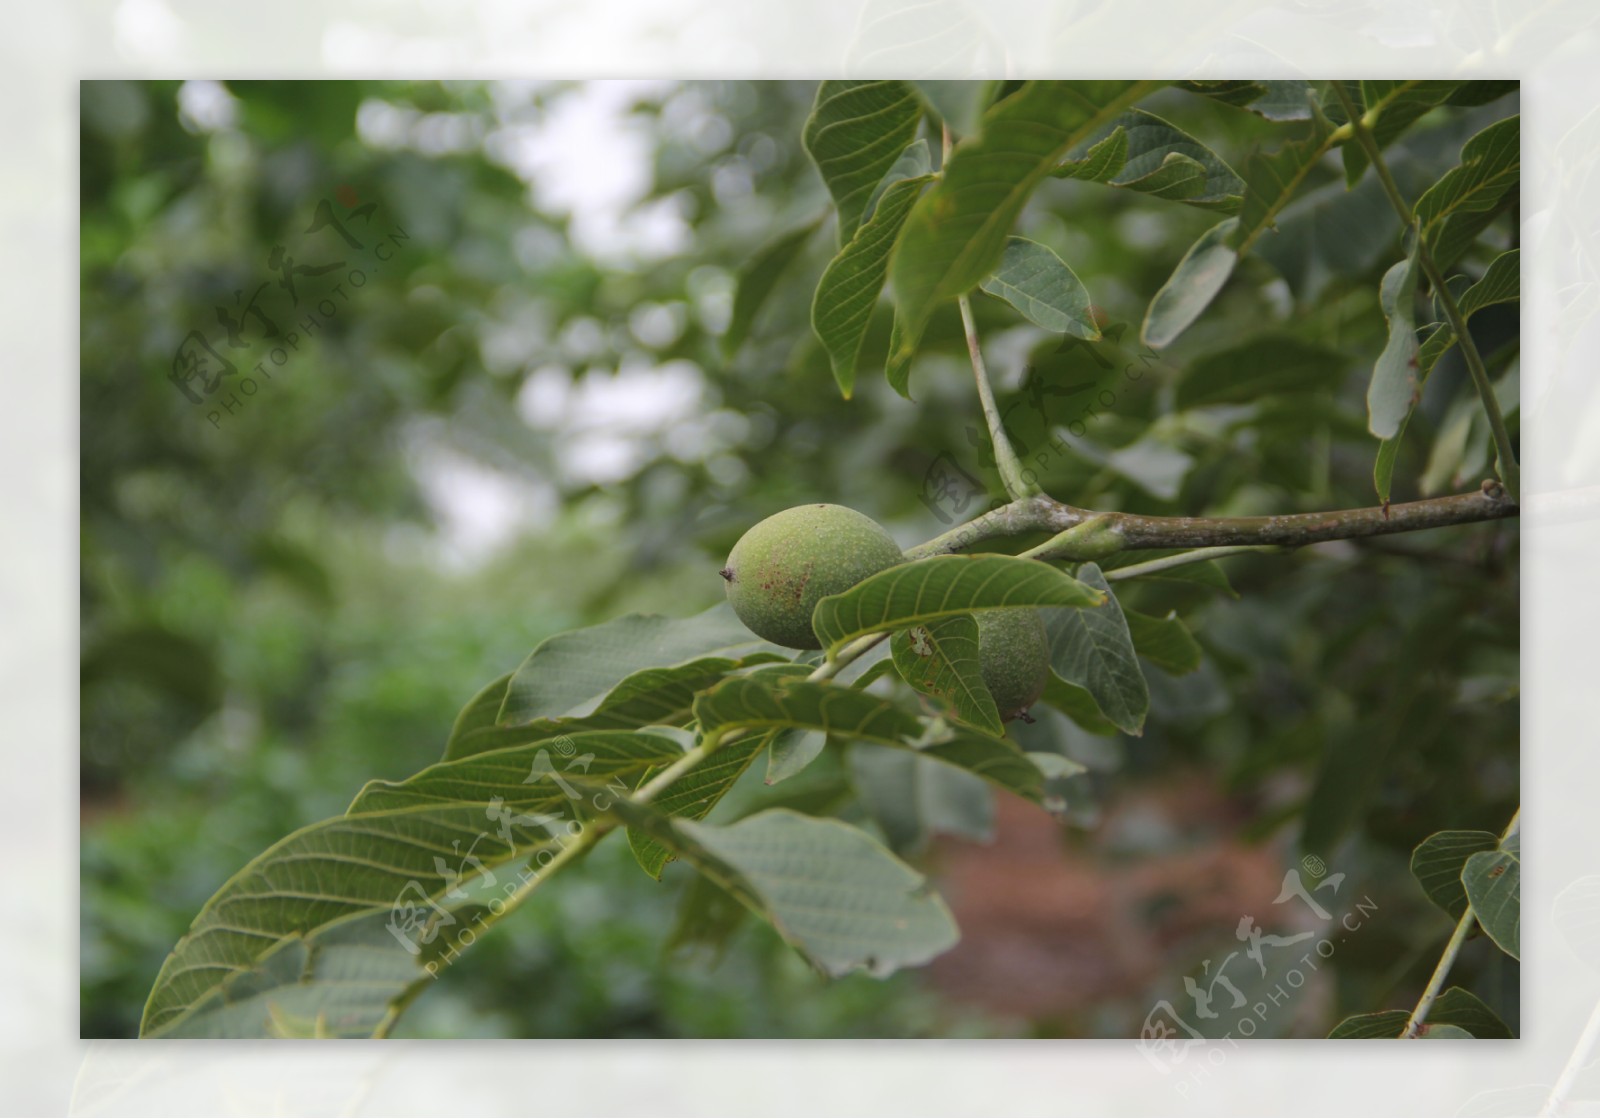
x=1014, y=657
x=782, y=567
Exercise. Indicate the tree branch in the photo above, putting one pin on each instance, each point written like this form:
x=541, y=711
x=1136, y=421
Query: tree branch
x=1085, y=534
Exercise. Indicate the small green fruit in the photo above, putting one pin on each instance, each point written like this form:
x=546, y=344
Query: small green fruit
x=1014, y=657
x=782, y=567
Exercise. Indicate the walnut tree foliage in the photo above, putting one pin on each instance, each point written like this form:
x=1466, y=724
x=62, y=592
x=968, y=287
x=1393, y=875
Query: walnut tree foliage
x=1251, y=387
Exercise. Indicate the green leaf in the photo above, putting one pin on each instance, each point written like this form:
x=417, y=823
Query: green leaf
x=1392, y=107
x=1395, y=385
x=1093, y=648
x=791, y=751
x=848, y=291
x=517, y=774
x=1481, y=93
x=1464, y=1010
x=854, y=134
x=1194, y=283
x=1035, y=281
x=897, y=364
x=1501, y=283
x=940, y=660
x=915, y=162
x=1159, y=159
x=571, y=669
x=1384, y=1024
x=933, y=589
x=1383, y=467
x=651, y=697
x=1272, y=178
x=1264, y=365
x=832, y=892
x=912, y=799
x=757, y=280
x=1491, y=166
x=1437, y=863
x=310, y=925
x=1456, y=1013
x=1078, y=705
x=957, y=231
x=480, y=716
x=1104, y=159
x=1274, y=100
x=1165, y=642
x=696, y=793
x=755, y=703
x=960, y=104
x=1493, y=883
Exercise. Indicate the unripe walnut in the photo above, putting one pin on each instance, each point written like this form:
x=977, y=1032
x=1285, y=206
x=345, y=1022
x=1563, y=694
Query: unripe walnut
x=1014, y=658
x=782, y=567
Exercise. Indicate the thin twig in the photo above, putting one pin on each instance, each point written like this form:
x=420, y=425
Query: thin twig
x=1005, y=458
x=1182, y=559
x=1510, y=474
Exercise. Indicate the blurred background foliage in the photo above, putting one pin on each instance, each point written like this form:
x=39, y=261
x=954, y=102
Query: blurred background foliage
x=525, y=419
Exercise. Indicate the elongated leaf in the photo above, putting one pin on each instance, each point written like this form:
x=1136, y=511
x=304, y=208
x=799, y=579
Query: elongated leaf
x=1093, y=648
x=696, y=793
x=342, y=920
x=478, y=717
x=897, y=365
x=1395, y=385
x=755, y=703
x=1035, y=281
x=1501, y=283
x=1460, y=1008
x=1274, y=100
x=1491, y=166
x=913, y=799
x=651, y=697
x=791, y=751
x=1272, y=178
x=960, y=104
x=1166, y=642
x=758, y=279
x=1078, y=705
x=1104, y=158
x=1194, y=283
x=849, y=288
x=832, y=891
x=913, y=163
x=1493, y=883
x=931, y=590
x=941, y=660
x=1384, y=1024
x=1159, y=159
x=572, y=670
x=1483, y=92
x=1454, y=1010
x=957, y=231
x=854, y=134
x=1383, y=467
x=1392, y=107
x=1265, y=365
x=1437, y=863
